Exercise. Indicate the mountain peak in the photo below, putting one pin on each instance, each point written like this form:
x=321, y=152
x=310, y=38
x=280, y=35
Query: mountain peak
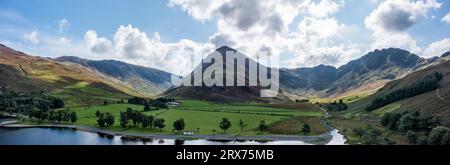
x=446, y=54
x=223, y=50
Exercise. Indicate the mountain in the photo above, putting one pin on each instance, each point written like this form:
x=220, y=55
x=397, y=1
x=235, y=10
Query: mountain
x=447, y=54
x=146, y=80
x=368, y=73
x=75, y=84
x=224, y=93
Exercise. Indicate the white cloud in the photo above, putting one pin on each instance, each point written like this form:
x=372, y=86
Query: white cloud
x=437, y=48
x=391, y=20
x=63, y=25
x=96, y=44
x=31, y=37
x=131, y=45
x=199, y=9
x=254, y=25
x=446, y=18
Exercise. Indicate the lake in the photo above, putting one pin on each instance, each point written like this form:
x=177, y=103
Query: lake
x=63, y=136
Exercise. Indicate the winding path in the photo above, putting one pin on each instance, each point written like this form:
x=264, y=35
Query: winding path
x=440, y=97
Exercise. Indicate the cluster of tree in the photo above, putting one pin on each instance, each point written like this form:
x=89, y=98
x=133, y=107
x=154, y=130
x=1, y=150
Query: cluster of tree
x=335, y=106
x=302, y=100
x=440, y=135
x=429, y=83
x=409, y=121
x=371, y=136
x=132, y=118
x=54, y=115
x=225, y=124
x=24, y=103
x=104, y=119
x=148, y=103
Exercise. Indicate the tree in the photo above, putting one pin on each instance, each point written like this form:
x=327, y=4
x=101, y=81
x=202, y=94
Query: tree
x=57, y=103
x=385, y=119
x=101, y=120
x=225, y=124
x=66, y=116
x=359, y=132
x=105, y=120
x=437, y=134
x=179, y=125
x=97, y=114
x=371, y=136
x=412, y=137
x=159, y=123
x=446, y=138
x=105, y=103
x=242, y=125
x=59, y=116
x=44, y=115
x=306, y=129
x=148, y=121
x=73, y=117
x=109, y=119
x=262, y=126
x=123, y=119
x=408, y=122
x=146, y=107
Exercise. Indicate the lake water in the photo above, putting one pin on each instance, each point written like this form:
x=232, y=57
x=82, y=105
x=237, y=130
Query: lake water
x=61, y=136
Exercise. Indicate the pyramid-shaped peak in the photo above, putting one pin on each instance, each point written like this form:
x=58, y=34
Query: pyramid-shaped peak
x=224, y=49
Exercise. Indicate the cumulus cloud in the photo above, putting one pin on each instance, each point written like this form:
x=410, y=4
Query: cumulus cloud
x=254, y=25
x=31, y=37
x=220, y=39
x=390, y=21
x=446, y=18
x=438, y=48
x=96, y=44
x=63, y=25
x=199, y=9
x=131, y=45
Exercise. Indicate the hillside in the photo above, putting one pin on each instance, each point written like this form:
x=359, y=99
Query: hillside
x=436, y=102
x=75, y=84
x=147, y=80
x=224, y=93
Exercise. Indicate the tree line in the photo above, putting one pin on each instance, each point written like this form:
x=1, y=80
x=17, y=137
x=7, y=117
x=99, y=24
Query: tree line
x=133, y=118
x=335, y=106
x=54, y=115
x=149, y=103
x=428, y=83
x=25, y=103
x=36, y=105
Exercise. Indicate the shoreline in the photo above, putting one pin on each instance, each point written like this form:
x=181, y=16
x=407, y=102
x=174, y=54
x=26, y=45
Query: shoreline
x=318, y=139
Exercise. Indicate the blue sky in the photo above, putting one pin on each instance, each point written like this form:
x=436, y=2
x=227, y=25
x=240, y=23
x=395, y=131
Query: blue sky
x=159, y=33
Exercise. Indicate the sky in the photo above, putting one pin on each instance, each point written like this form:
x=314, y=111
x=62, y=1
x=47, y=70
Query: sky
x=165, y=34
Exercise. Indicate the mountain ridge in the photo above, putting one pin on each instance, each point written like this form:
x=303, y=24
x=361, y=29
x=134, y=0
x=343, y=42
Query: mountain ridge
x=149, y=80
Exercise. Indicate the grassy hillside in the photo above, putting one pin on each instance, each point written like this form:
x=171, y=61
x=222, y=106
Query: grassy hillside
x=432, y=103
x=75, y=84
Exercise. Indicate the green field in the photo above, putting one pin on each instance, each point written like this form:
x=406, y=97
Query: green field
x=203, y=117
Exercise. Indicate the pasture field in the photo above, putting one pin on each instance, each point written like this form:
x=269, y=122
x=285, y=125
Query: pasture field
x=203, y=117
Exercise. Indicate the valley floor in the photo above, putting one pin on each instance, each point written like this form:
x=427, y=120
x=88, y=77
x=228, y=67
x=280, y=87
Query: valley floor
x=203, y=118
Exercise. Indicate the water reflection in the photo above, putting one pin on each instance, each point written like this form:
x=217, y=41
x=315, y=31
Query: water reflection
x=51, y=136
